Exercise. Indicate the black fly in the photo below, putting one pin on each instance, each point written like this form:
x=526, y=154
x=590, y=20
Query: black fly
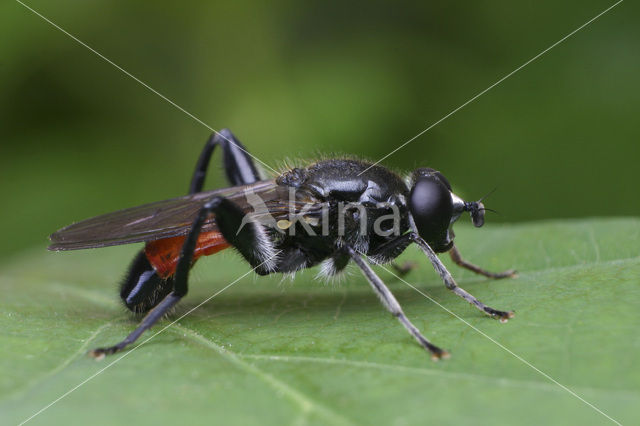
x=329, y=213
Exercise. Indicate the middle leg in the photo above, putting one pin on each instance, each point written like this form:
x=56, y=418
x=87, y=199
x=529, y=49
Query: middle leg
x=392, y=305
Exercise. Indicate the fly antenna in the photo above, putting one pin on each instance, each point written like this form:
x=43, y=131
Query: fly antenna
x=487, y=194
x=491, y=210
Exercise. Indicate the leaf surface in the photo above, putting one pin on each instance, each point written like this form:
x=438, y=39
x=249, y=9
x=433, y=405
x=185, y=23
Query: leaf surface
x=279, y=352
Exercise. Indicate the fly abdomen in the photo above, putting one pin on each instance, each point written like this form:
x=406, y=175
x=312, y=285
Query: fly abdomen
x=142, y=288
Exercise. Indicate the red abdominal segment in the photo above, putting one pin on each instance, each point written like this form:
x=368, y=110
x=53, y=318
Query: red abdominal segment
x=164, y=254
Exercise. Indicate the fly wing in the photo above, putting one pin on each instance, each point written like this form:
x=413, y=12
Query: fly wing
x=163, y=219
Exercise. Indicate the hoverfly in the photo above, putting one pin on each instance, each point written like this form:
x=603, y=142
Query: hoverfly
x=294, y=221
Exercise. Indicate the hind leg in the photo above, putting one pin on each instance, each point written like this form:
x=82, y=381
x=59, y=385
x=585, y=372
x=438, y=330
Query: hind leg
x=247, y=241
x=142, y=288
x=238, y=163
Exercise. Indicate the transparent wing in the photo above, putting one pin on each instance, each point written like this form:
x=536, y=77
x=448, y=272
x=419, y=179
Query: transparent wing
x=167, y=218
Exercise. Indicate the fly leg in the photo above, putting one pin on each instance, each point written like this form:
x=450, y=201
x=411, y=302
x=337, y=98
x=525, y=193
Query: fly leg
x=180, y=285
x=249, y=238
x=238, y=164
x=392, y=305
x=392, y=249
x=450, y=283
x=458, y=260
x=229, y=217
x=142, y=288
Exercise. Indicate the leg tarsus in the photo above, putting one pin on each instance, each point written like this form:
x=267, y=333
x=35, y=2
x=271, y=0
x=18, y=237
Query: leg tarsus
x=502, y=316
x=458, y=260
x=147, y=322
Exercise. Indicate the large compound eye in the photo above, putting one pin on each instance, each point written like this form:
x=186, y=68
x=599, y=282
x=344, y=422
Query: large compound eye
x=431, y=207
x=432, y=173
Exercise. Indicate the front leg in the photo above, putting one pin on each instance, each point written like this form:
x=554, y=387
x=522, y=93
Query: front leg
x=458, y=260
x=450, y=283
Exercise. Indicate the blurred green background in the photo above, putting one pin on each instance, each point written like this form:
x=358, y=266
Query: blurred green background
x=79, y=138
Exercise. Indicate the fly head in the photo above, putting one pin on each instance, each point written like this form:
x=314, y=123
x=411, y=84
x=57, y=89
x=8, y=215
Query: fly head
x=434, y=208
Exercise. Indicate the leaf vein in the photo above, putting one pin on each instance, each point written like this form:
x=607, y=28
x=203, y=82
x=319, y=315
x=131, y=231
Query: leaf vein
x=305, y=402
x=535, y=385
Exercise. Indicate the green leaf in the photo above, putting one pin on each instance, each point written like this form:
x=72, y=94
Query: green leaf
x=279, y=352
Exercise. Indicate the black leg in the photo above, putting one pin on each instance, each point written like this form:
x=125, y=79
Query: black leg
x=142, y=289
x=238, y=164
x=250, y=239
x=450, y=283
x=458, y=260
x=247, y=241
x=391, y=249
x=392, y=305
x=180, y=284
x=388, y=251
